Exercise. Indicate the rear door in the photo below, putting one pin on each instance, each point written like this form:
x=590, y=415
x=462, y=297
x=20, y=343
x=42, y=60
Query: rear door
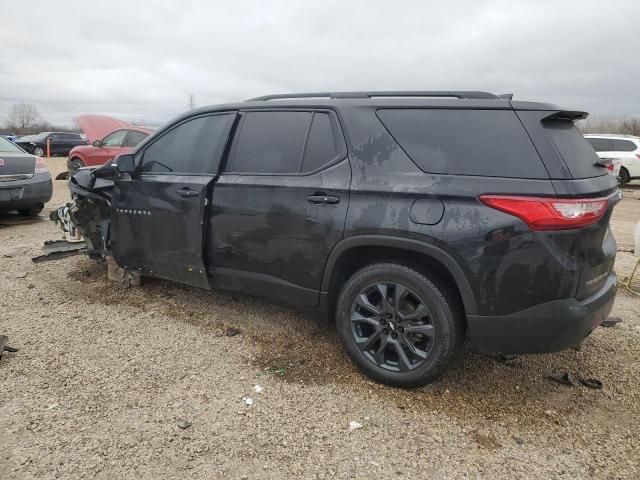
x=159, y=213
x=280, y=205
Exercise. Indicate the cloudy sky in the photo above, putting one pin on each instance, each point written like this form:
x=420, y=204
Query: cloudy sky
x=142, y=60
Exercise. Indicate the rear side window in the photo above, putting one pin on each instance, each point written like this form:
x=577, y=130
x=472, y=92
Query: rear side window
x=465, y=142
x=578, y=155
x=623, y=145
x=194, y=147
x=271, y=142
x=601, y=144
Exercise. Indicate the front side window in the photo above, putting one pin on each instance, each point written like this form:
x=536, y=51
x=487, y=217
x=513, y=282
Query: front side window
x=193, y=147
x=600, y=144
x=271, y=142
x=134, y=138
x=114, y=139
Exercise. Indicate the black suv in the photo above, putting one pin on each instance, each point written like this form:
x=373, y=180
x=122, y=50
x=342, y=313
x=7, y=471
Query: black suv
x=60, y=143
x=413, y=219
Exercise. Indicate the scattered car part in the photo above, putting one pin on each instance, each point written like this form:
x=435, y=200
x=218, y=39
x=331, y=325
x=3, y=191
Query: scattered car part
x=4, y=347
x=565, y=379
x=611, y=322
x=592, y=383
x=56, y=249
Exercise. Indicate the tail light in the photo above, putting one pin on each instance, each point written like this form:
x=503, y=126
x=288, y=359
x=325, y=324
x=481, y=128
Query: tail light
x=549, y=213
x=41, y=166
x=610, y=167
x=638, y=155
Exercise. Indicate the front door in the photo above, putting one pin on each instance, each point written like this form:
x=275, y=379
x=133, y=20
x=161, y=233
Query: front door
x=159, y=214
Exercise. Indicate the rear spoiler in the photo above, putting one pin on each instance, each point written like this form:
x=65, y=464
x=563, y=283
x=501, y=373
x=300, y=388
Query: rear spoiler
x=566, y=115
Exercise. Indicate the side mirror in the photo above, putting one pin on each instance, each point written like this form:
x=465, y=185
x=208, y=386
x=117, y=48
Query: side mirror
x=97, y=143
x=125, y=163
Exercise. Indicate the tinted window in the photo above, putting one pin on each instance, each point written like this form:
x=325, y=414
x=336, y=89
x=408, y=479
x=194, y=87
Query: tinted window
x=578, y=154
x=623, y=146
x=71, y=136
x=195, y=146
x=601, y=144
x=465, y=142
x=271, y=142
x=114, y=139
x=134, y=138
x=321, y=146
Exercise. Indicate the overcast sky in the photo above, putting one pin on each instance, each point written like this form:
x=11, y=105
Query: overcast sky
x=141, y=60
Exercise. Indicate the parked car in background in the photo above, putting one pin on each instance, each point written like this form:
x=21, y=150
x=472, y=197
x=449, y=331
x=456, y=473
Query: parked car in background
x=625, y=148
x=60, y=143
x=9, y=136
x=101, y=151
x=397, y=217
x=25, y=182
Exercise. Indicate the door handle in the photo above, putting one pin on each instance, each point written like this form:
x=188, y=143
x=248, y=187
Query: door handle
x=187, y=192
x=323, y=199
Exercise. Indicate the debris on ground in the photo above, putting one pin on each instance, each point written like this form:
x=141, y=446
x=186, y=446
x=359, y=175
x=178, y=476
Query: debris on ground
x=257, y=388
x=232, y=332
x=22, y=275
x=184, y=424
x=353, y=425
x=565, y=379
x=611, y=322
x=248, y=400
x=4, y=347
x=55, y=249
x=485, y=441
x=10, y=254
x=592, y=383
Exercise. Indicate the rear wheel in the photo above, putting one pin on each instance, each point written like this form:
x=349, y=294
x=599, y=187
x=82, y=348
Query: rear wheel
x=398, y=326
x=624, y=176
x=39, y=151
x=31, y=211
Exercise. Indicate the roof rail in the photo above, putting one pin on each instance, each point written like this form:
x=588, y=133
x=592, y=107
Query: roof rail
x=409, y=93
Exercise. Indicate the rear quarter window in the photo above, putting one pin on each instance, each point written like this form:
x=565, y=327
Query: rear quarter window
x=577, y=153
x=624, y=145
x=465, y=142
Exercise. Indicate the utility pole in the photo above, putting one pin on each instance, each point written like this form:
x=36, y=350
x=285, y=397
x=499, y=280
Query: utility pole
x=192, y=102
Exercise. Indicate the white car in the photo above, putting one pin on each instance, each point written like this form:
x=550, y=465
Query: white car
x=622, y=149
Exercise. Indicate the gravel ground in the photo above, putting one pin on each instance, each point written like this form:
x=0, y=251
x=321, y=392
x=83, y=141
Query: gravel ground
x=147, y=383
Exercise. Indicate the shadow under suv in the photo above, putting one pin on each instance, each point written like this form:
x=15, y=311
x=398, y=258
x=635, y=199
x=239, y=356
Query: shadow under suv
x=412, y=219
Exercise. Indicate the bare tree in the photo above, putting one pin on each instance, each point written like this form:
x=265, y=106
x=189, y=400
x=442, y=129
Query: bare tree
x=22, y=116
x=611, y=124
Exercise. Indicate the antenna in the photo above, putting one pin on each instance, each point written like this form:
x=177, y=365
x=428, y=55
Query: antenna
x=192, y=102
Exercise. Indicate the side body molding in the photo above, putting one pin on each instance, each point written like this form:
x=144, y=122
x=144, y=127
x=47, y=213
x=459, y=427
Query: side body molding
x=436, y=253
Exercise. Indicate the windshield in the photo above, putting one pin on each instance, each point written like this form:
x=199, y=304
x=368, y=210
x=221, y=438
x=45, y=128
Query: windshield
x=7, y=146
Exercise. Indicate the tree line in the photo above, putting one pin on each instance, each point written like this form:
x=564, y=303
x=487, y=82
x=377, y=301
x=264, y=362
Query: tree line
x=24, y=119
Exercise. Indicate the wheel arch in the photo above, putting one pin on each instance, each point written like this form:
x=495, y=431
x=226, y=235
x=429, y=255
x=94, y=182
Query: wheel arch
x=353, y=252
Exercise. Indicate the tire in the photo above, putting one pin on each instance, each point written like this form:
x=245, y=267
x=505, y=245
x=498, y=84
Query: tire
x=624, y=176
x=75, y=164
x=31, y=211
x=428, y=307
x=39, y=151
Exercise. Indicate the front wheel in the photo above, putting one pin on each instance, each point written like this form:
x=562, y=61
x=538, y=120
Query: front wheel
x=39, y=151
x=398, y=326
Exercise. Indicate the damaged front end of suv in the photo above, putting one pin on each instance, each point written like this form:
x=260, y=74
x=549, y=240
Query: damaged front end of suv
x=89, y=212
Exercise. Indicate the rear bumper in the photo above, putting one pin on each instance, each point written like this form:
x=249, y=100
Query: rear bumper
x=28, y=193
x=548, y=327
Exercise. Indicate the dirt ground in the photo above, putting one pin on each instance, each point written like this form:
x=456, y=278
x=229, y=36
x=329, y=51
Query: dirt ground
x=147, y=383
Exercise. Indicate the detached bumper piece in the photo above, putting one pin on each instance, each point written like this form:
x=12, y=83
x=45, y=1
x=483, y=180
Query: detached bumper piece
x=55, y=249
x=544, y=328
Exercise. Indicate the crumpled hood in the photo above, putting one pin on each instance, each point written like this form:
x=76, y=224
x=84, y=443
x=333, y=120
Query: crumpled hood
x=96, y=127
